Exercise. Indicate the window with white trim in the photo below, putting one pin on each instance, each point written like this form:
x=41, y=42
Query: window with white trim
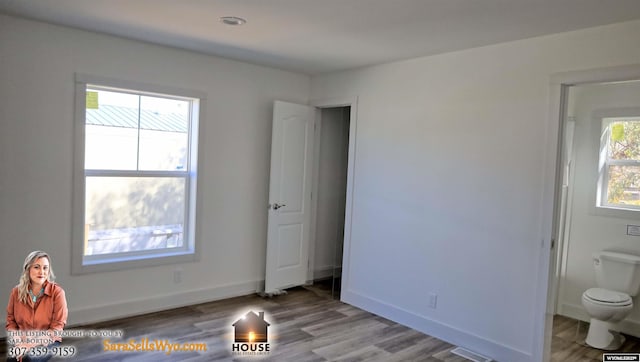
x=619, y=164
x=136, y=174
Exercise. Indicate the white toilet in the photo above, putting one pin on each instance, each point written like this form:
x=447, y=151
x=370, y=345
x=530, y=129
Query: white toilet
x=618, y=279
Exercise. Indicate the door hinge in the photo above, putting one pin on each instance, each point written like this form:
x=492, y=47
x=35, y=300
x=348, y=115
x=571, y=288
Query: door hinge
x=553, y=243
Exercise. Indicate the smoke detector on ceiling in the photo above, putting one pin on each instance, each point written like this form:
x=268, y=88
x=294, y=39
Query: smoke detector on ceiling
x=232, y=20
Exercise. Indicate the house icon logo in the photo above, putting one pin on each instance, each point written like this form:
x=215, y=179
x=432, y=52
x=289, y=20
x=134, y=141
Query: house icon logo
x=251, y=336
x=251, y=328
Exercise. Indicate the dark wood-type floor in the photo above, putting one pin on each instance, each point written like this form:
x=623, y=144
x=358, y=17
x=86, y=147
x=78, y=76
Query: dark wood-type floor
x=309, y=326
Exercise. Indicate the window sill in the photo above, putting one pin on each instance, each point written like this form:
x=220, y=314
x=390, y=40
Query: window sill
x=619, y=213
x=131, y=262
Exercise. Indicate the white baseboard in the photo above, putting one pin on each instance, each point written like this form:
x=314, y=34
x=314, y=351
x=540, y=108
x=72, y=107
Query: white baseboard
x=326, y=272
x=441, y=331
x=627, y=326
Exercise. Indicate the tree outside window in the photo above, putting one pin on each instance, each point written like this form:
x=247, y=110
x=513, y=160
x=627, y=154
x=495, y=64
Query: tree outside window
x=620, y=163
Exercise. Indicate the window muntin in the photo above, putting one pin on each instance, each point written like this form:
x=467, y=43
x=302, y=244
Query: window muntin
x=619, y=181
x=138, y=178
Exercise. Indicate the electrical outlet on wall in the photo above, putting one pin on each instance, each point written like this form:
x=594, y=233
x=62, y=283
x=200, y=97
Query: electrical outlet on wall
x=177, y=275
x=433, y=300
x=633, y=230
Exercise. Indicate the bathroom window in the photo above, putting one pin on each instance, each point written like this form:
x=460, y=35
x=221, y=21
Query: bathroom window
x=619, y=164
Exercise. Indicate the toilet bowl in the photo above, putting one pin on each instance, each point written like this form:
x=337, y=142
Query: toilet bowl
x=618, y=281
x=606, y=308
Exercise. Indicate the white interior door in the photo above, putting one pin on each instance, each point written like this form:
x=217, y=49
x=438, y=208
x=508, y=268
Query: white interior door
x=289, y=217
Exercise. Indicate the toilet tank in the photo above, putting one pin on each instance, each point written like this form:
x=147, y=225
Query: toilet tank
x=618, y=268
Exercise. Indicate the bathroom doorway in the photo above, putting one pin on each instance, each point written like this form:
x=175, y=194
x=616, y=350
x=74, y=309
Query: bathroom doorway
x=595, y=207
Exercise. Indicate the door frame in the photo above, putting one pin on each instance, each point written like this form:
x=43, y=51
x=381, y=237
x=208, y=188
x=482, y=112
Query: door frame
x=551, y=201
x=320, y=104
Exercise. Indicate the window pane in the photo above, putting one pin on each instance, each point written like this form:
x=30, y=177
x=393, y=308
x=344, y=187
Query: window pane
x=133, y=213
x=624, y=185
x=624, y=143
x=164, y=130
x=111, y=137
x=110, y=148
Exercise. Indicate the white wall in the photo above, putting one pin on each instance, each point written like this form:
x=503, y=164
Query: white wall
x=332, y=188
x=588, y=231
x=37, y=66
x=449, y=180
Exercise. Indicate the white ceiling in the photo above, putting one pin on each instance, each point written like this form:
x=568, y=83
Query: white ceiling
x=318, y=36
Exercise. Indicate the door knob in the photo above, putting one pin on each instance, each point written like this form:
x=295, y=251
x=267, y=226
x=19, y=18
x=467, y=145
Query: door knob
x=277, y=206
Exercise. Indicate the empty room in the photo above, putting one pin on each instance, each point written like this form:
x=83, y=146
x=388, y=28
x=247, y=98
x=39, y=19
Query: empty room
x=299, y=180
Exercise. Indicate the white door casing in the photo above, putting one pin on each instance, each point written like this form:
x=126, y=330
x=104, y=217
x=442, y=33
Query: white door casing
x=551, y=199
x=289, y=209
